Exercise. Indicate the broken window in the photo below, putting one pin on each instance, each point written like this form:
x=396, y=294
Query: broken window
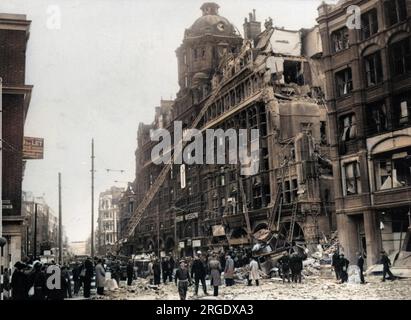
x=294, y=189
x=373, y=69
x=343, y=81
x=348, y=127
x=323, y=132
x=306, y=127
x=352, y=178
x=369, y=24
x=395, y=11
x=293, y=72
x=339, y=39
x=377, y=117
x=402, y=110
x=400, y=53
x=287, y=192
x=393, y=170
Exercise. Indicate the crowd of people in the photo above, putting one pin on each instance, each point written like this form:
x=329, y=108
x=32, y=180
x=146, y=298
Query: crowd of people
x=38, y=281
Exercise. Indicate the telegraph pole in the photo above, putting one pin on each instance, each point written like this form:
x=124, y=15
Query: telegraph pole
x=35, y=233
x=2, y=240
x=92, y=198
x=60, y=225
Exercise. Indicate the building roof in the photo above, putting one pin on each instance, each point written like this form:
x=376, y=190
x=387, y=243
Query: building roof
x=211, y=23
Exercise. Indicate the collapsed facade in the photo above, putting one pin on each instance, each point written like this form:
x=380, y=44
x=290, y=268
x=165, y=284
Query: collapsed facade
x=270, y=81
x=368, y=96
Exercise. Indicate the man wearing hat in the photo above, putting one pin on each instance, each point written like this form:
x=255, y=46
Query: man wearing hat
x=19, y=283
x=198, y=272
x=343, y=268
x=386, y=263
x=183, y=278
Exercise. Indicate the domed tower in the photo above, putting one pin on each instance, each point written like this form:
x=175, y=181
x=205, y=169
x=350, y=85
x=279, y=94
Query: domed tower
x=204, y=43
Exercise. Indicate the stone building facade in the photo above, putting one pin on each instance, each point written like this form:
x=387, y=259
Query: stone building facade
x=108, y=220
x=270, y=81
x=14, y=34
x=368, y=89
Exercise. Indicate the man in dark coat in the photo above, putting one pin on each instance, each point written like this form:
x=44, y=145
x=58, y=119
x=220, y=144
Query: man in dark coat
x=360, y=264
x=343, y=267
x=37, y=280
x=76, y=278
x=67, y=282
x=165, y=269
x=335, y=263
x=386, y=263
x=130, y=272
x=157, y=272
x=296, y=266
x=19, y=283
x=88, y=275
x=171, y=267
x=198, y=272
x=284, y=262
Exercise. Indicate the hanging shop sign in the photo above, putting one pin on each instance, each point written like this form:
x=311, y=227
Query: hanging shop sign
x=33, y=148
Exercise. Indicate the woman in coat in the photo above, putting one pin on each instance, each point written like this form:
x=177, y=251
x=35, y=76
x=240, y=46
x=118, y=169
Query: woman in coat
x=100, y=277
x=254, y=272
x=229, y=271
x=215, y=273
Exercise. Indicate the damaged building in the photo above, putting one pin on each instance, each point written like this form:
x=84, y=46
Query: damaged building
x=368, y=97
x=272, y=81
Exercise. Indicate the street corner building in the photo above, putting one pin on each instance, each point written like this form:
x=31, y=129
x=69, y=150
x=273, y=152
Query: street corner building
x=273, y=81
x=16, y=94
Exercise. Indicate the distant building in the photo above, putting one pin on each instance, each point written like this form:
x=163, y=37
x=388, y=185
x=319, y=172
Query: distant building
x=14, y=33
x=78, y=248
x=47, y=227
x=108, y=220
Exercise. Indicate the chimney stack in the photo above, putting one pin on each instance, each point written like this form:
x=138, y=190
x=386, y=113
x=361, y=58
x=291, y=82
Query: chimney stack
x=252, y=27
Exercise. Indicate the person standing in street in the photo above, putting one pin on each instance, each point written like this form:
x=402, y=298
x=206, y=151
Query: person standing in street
x=182, y=280
x=335, y=264
x=19, y=283
x=360, y=264
x=165, y=269
x=284, y=262
x=296, y=266
x=254, y=273
x=76, y=278
x=130, y=272
x=38, y=282
x=171, y=268
x=88, y=271
x=343, y=267
x=100, y=277
x=215, y=273
x=156, y=272
x=229, y=271
x=198, y=272
x=67, y=282
x=386, y=264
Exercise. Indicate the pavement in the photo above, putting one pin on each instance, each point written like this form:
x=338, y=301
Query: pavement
x=311, y=288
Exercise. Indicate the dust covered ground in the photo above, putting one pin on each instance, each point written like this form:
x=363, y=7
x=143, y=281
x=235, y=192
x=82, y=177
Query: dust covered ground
x=311, y=288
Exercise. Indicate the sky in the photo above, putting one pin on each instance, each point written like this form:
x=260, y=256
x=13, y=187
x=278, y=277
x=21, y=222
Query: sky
x=99, y=68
